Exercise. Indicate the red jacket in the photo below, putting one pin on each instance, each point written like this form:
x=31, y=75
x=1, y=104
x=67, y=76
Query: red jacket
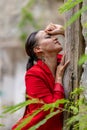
x=40, y=83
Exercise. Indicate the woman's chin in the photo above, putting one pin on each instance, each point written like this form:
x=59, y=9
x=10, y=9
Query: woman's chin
x=60, y=49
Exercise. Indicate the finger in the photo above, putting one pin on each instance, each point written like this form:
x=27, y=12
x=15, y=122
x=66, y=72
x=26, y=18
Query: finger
x=66, y=64
x=63, y=60
x=53, y=25
x=50, y=28
x=48, y=32
x=59, y=26
x=57, y=32
x=53, y=32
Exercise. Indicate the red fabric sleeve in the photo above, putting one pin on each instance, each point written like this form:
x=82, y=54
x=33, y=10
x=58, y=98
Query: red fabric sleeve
x=37, y=88
x=58, y=94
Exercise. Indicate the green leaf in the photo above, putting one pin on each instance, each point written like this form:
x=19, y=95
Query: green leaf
x=44, y=120
x=69, y=5
x=73, y=119
x=77, y=91
x=30, y=3
x=27, y=17
x=27, y=119
x=23, y=36
x=14, y=108
x=81, y=101
x=83, y=59
x=1, y=116
x=1, y=125
x=85, y=25
x=75, y=109
x=75, y=16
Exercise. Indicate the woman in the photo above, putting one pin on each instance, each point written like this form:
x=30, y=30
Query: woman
x=45, y=71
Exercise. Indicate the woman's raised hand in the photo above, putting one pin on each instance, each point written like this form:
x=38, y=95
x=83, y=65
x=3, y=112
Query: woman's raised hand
x=54, y=29
x=61, y=69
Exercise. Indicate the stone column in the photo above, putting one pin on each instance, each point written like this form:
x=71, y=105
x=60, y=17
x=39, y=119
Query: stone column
x=74, y=48
x=84, y=32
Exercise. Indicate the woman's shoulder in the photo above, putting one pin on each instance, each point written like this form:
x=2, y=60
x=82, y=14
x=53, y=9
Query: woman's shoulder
x=34, y=70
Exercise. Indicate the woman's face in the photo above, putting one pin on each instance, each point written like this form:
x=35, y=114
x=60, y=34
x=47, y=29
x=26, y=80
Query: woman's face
x=48, y=43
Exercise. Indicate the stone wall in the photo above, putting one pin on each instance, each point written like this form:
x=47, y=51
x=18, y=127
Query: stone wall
x=84, y=31
x=12, y=54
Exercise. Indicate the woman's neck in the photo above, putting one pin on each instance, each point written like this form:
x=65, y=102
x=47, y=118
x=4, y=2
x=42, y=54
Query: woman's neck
x=51, y=62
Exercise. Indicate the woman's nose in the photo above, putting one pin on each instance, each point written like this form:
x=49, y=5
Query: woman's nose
x=55, y=38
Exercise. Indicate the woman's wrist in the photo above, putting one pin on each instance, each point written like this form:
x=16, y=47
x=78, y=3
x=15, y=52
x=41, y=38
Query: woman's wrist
x=58, y=80
x=62, y=32
x=60, y=29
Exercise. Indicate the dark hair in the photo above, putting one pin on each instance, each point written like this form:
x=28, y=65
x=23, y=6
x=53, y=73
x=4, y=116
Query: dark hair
x=30, y=44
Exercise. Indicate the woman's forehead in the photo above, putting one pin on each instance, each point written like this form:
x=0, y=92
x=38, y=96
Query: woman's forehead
x=41, y=33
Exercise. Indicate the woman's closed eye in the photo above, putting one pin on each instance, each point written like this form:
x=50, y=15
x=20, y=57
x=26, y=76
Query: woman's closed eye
x=48, y=36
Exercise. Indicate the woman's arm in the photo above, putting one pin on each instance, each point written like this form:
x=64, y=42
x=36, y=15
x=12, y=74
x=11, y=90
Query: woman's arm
x=37, y=88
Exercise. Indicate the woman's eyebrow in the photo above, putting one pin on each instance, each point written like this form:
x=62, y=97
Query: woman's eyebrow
x=48, y=35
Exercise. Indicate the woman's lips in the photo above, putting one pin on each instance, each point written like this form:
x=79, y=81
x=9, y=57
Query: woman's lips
x=57, y=42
